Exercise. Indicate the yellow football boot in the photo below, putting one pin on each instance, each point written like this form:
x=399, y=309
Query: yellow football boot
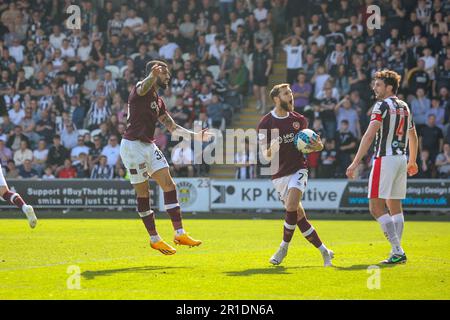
x=163, y=247
x=185, y=240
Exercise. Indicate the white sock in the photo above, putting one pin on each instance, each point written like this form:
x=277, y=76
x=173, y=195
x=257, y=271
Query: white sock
x=179, y=232
x=154, y=239
x=323, y=248
x=388, y=227
x=399, y=222
x=284, y=244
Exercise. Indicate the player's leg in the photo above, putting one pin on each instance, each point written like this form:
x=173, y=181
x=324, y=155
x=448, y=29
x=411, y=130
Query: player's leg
x=281, y=185
x=165, y=181
x=377, y=210
x=398, y=193
x=133, y=157
x=396, y=211
x=380, y=188
x=15, y=199
x=310, y=234
x=148, y=218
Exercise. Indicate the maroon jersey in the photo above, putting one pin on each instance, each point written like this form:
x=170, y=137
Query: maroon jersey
x=143, y=114
x=291, y=160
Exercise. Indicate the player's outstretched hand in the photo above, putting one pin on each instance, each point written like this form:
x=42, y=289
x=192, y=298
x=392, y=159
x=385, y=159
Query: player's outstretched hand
x=203, y=135
x=351, y=170
x=412, y=168
x=316, y=144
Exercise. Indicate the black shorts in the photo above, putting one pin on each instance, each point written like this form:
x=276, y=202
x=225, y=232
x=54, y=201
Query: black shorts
x=260, y=80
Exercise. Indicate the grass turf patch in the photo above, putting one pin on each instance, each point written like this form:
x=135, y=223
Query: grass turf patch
x=116, y=262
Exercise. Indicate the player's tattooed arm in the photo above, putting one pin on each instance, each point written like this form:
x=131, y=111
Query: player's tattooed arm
x=145, y=85
x=178, y=130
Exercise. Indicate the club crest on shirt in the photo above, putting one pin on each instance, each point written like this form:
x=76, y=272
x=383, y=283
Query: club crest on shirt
x=296, y=125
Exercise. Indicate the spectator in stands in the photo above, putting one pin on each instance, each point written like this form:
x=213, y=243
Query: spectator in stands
x=102, y=170
x=48, y=174
x=259, y=74
x=302, y=91
x=245, y=159
x=215, y=112
x=438, y=111
x=426, y=166
x=431, y=138
x=22, y=154
x=95, y=151
x=69, y=136
x=346, y=144
x=11, y=172
x=112, y=151
x=327, y=112
x=443, y=162
x=16, y=114
x=182, y=159
x=98, y=113
x=5, y=153
x=327, y=166
x=26, y=171
x=57, y=154
x=293, y=47
x=344, y=111
x=78, y=150
x=68, y=171
x=40, y=156
x=420, y=106
x=82, y=166
x=15, y=139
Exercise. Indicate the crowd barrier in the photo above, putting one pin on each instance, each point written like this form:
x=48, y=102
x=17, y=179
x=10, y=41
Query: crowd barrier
x=205, y=195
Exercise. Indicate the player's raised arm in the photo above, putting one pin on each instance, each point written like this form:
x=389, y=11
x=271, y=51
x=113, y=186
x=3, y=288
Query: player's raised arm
x=170, y=124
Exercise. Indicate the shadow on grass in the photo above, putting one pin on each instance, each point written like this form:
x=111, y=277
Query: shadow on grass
x=89, y=275
x=357, y=267
x=268, y=270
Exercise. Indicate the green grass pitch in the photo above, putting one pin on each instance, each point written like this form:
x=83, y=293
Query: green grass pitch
x=116, y=262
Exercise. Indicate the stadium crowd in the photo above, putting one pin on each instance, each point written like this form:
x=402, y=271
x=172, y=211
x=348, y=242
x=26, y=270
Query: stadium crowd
x=63, y=91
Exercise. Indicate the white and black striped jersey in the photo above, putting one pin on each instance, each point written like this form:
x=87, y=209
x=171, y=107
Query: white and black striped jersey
x=396, y=119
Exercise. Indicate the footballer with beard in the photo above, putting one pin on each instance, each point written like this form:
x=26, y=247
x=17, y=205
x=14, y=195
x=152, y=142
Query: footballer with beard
x=291, y=176
x=144, y=160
